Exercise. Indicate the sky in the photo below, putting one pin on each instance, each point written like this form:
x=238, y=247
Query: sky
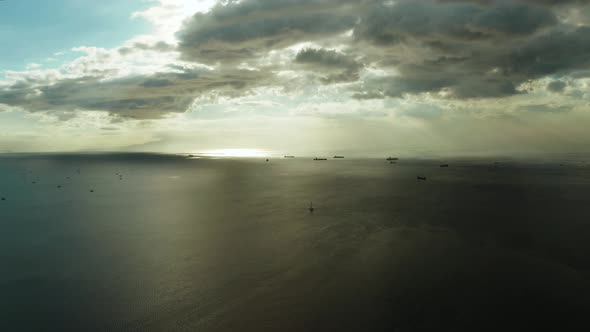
x=306, y=77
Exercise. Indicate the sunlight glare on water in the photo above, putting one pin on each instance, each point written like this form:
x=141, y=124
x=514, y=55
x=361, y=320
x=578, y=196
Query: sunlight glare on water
x=236, y=153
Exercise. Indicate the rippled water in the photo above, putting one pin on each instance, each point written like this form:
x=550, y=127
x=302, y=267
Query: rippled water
x=228, y=245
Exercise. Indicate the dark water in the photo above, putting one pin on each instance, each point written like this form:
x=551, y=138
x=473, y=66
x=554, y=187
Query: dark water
x=228, y=245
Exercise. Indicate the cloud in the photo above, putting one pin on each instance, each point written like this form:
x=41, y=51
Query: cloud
x=429, y=21
x=160, y=46
x=157, y=83
x=465, y=49
x=368, y=95
x=336, y=67
x=533, y=2
x=546, y=108
x=556, y=86
x=137, y=97
x=326, y=58
x=241, y=30
x=458, y=49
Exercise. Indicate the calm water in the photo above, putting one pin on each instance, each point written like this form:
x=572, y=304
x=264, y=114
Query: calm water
x=228, y=245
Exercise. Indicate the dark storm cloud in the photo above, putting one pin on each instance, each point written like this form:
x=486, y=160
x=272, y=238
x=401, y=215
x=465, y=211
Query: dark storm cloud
x=241, y=30
x=553, y=52
x=468, y=49
x=556, y=86
x=325, y=58
x=431, y=21
x=139, y=97
x=534, y=2
x=336, y=66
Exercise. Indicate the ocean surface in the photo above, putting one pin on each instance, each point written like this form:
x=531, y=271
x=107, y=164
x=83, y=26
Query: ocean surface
x=166, y=243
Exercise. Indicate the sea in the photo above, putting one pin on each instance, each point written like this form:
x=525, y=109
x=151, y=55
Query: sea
x=154, y=242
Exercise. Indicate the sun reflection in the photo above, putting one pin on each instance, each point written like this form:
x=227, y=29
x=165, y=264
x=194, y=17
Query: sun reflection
x=252, y=153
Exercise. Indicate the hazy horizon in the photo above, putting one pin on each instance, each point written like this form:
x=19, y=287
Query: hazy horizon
x=557, y=157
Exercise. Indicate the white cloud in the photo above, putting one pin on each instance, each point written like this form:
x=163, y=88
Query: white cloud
x=32, y=66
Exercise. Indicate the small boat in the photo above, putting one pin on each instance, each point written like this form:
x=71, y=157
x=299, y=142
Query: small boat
x=391, y=159
x=338, y=157
x=289, y=157
x=423, y=178
x=3, y=198
x=266, y=160
x=444, y=165
x=311, y=209
x=320, y=158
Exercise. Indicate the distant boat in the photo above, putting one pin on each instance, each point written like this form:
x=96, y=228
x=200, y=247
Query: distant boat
x=391, y=159
x=266, y=160
x=320, y=158
x=444, y=165
x=289, y=157
x=421, y=178
x=3, y=198
x=311, y=209
x=338, y=157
